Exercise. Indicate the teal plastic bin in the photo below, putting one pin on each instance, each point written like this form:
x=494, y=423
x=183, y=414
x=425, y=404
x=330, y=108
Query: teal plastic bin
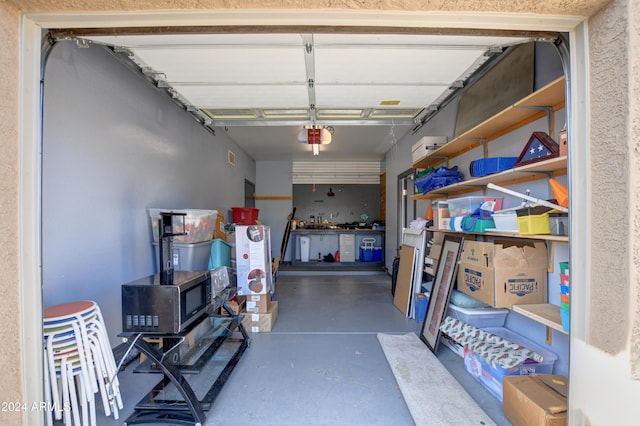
x=220, y=254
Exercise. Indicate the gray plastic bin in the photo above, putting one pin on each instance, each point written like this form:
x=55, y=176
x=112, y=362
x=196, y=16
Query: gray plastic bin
x=188, y=257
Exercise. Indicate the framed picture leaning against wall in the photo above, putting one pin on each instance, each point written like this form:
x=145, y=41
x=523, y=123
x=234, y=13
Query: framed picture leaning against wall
x=443, y=283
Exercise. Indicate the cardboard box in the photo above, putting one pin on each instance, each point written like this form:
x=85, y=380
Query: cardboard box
x=444, y=223
x=434, y=255
x=504, y=273
x=538, y=400
x=440, y=215
x=258, y=303
x=237, y=305
x=230, y=237
x=253, y=259
x=435, y=250
x=259, y=323
x=426, y=145
x=218, y=231
x=562, y=143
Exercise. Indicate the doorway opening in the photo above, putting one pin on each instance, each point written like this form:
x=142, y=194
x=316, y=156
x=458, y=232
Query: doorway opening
x=31, y=187
x=249, y=194
x=406, y=207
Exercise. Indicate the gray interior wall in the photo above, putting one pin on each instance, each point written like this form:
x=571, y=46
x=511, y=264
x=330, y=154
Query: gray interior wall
x=347, y=205
x=507, y=81
x=547, y=66
x=398, y=160
x=114, y=146
x=274, y=185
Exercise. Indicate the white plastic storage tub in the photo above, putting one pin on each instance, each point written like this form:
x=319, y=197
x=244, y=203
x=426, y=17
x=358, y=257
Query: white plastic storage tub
x=198, y=224
x=479, y=317
x=506, y=221
x=463, y=206
x=491, y=376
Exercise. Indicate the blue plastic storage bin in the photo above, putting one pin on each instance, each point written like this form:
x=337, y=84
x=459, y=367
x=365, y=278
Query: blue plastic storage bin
x=487, y=166
x=422, y=302
x=490, y=376
x=220, y=254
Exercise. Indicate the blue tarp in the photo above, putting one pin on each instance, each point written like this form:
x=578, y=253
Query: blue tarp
x=440, y=178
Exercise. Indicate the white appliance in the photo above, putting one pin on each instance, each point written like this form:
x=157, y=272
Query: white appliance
x=347, y=248
x=305, y=245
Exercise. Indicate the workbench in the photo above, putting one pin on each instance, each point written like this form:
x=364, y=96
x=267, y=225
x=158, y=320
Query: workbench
x=327, y=240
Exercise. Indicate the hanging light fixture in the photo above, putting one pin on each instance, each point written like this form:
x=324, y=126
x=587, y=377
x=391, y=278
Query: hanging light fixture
x=315, y=136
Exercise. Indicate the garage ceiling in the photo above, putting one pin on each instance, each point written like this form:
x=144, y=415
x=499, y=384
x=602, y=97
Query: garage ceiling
x=369, y=90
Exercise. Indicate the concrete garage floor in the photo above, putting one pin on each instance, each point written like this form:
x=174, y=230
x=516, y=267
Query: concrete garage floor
x=322, y=363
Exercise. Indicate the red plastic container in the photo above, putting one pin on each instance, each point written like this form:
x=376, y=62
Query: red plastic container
x=244, y=215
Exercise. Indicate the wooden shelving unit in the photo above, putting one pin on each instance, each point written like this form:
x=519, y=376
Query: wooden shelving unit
x=544, y=313
x=555, y=238
x=540, y=170
x=517, y=115
x=537, y=105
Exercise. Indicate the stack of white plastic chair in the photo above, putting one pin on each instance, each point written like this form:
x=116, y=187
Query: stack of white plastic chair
x=79, y=363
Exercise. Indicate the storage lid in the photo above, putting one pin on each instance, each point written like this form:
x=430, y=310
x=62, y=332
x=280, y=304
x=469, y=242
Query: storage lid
x=532, y=211
x=220, y=243
x=479, y=311
x=558, y=214
x=503, y=213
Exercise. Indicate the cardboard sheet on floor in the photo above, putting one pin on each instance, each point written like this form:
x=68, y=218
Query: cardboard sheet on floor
x=433, y=395
x=404, y=284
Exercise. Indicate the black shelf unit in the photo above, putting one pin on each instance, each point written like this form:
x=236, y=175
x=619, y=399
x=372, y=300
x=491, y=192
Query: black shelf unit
x=190, y=382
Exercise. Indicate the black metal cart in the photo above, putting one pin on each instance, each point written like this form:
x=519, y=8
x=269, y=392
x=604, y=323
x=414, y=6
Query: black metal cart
x=195, y=365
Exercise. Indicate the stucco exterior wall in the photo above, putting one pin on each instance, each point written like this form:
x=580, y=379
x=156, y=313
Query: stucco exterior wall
x=615, y=145
x=634, y=179
x=605, y=369
x=542, y=7
x=610, y=172
x=10, y=350
x=614, y=303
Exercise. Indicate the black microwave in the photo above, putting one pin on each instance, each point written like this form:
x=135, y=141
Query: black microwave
x=149, y=306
